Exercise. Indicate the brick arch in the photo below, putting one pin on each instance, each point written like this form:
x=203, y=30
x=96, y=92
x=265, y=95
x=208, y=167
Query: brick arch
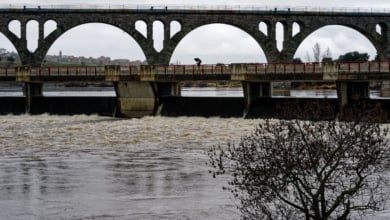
x=12, y=38
x=8, y=38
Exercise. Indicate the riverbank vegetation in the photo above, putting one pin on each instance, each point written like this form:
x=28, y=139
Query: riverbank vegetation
x=309, y=169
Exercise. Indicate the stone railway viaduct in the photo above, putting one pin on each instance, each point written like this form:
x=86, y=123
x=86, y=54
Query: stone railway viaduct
x=248, y=21
x=140, y=97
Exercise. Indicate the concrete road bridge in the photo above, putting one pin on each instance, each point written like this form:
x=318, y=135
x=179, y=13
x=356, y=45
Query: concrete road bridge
x=139, y=88
x=373, y=25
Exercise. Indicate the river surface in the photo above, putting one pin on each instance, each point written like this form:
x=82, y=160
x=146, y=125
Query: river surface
x=95, y=167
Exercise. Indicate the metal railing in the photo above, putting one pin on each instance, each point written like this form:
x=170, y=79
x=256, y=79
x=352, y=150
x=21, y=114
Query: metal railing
x=244, y=68
x=7, y=71
x=284, y=68
x=365, y=67
x=68, y=71
x=192, y=7
x=192, y=69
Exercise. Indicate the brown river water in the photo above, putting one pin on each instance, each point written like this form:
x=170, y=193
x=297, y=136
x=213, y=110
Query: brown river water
x=94, y=167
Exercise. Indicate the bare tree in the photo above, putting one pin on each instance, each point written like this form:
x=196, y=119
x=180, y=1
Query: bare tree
x=317, y=55
x=327, y=53
x=293, y=169
x=317, y=52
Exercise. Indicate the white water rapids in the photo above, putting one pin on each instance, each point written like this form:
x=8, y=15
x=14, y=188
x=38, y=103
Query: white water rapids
x=93, y=167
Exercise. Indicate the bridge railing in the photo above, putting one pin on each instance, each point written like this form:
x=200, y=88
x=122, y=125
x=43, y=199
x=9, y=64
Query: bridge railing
x=68, y=71
x=194, y=7
x=365, y=67
x=192, y=69
x=7, y=71
x=129, y=70
x=284, y=68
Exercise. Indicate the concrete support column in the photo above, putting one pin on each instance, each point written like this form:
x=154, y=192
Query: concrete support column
x=348, y=91
x=385, y=89
x=32, y=91
x=168, y=89
x=135, y=99
x=254, y=90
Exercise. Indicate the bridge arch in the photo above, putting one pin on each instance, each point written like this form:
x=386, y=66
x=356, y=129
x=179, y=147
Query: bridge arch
x=115, y=40
x=9, y=47
x=332, y=36
x=212, y=43
x=14, y=26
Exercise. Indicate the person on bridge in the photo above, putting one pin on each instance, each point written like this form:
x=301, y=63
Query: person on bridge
x=198, y=61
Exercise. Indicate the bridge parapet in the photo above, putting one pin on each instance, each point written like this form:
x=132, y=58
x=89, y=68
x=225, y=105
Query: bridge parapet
x=176, y=73
x=23, y=74
x=365, y=67
x=277, y=71
x=112, y=73
x=7, y=73
x=192, y=69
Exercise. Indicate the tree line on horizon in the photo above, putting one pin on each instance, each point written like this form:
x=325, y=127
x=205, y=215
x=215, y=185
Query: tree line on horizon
x=326, y=56
x=11, y=58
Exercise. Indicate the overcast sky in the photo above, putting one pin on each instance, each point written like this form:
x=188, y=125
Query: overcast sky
x=213, y=43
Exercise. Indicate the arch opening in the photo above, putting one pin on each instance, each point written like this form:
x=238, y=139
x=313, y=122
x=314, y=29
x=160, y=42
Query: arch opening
x=95, y=44
x=296, y=28
x=218, y=43
x=334, y=40
x=378, y=29
x=175, y=28
x=32, y=35
x=49, y=27
x=15, y=27
x=279, y=35
x=263, y=28
x=8, y=59
x=8, y=54
x=158, y=35
x=141, y=27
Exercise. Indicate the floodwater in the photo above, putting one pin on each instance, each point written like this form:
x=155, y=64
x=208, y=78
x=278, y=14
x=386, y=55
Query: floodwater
x=93, y=167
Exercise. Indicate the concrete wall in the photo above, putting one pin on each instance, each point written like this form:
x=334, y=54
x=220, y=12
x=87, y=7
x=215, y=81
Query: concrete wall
x=136, y=99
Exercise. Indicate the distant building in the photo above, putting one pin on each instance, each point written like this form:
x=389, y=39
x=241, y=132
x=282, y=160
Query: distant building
x=102, y=60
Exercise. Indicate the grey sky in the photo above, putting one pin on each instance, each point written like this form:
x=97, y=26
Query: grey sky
x=213, y=43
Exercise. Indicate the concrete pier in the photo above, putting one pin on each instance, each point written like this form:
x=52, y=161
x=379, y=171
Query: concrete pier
x=352, y=91
x=255, y=90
